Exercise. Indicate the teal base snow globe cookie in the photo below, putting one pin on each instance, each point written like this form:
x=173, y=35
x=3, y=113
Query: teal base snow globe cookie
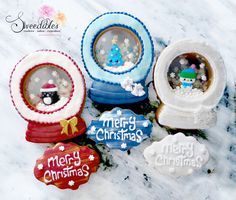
x=117, y=52
x=189, y=78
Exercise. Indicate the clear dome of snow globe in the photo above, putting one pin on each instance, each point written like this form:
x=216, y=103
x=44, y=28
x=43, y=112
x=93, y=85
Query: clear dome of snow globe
x=47, y=88
x=117, y=49
x=189, y=75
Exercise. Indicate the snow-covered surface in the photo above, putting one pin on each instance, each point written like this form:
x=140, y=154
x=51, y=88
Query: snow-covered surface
x=130, y=178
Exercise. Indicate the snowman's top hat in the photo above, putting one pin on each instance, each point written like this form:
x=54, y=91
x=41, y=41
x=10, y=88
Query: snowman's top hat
x=49, y=87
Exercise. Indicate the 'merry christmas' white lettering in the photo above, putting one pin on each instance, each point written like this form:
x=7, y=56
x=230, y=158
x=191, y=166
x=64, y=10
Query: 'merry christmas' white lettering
x=65, y=160
x=121, y=122
x=186, y=149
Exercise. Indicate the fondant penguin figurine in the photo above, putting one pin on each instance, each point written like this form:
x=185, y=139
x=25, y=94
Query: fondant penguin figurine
x=49, y=93
x=188, y=77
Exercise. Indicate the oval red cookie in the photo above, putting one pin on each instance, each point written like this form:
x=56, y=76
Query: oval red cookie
x=66, y=166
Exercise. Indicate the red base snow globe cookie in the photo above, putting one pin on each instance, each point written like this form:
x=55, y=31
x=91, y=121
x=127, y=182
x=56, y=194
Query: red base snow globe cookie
x=48, y=90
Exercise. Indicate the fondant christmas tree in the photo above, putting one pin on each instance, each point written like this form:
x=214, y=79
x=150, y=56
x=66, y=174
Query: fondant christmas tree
x=114, y=57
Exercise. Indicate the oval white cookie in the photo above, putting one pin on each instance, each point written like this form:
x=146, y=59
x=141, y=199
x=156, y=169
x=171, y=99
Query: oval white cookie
x=176, y=155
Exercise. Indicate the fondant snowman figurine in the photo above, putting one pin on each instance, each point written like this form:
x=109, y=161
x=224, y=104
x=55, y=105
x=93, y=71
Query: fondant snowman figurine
x=49, y=93
x=188, y=77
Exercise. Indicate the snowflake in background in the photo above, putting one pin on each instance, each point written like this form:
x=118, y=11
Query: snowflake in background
x=104, y=39
x=54, y=73
x=37, y=79
x=64, y=82
x=32, y=96
x=126, y=41
x=203, y=77
x=102, y=52
x=172, y=75
x=202, y=65
x=130, y=55
x=183, y=61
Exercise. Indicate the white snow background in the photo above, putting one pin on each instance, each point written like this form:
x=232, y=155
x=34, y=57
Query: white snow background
x=130, y=178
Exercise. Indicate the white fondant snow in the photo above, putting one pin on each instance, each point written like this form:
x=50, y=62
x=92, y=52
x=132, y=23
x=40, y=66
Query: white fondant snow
x=188, y=92
x=127, y=66
x=127, y=84
x=42, y=107
x=138, y=90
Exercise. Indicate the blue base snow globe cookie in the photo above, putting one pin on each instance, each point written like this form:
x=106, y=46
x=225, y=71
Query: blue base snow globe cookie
x=117, y=51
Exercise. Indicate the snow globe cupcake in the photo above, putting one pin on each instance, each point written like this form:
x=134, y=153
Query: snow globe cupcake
x=117, y=52
x=48, y=90
x=189, y=78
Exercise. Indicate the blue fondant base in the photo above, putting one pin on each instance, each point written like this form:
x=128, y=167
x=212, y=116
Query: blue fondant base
x=104, y=93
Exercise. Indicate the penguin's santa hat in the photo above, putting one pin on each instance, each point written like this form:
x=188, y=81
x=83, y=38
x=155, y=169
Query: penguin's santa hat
x=49, y=87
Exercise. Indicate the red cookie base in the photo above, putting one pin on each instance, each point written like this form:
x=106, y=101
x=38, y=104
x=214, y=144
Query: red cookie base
x=55, y=154
x=50, y=133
